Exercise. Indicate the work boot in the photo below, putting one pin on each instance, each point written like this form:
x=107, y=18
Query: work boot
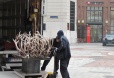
x=42, y=68
x=56, y=73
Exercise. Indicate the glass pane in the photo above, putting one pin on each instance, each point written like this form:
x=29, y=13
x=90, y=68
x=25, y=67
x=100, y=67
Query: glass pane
x=111, y=31
x=43, y=9
x=44, y=1
x=112, y=22
x=88, y=8
x=112, y=26
x=92, y=16
x=93, y=33
x=100, y=16
x=112, y=8
x=96, y=8
x=96, y=33
x=99, y=32
x=100, y=8
x=88, y=16
x=92, y=8
x=96, y=16
x=112, y=14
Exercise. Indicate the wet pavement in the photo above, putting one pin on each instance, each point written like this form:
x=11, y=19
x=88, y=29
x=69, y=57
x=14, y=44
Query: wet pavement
x=89, y=60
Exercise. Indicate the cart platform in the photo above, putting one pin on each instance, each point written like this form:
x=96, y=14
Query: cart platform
x=42, y=74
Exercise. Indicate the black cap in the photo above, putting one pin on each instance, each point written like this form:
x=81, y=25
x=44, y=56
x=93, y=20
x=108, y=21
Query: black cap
x=60, y=33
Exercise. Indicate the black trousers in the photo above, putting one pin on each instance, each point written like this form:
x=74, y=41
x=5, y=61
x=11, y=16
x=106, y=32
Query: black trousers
x=56, y=64
x=63, y=67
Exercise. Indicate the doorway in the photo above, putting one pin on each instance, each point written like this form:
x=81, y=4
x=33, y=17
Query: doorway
x=96, y=33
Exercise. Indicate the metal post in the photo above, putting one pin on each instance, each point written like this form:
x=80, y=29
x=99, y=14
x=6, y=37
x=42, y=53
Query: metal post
x=41, y=28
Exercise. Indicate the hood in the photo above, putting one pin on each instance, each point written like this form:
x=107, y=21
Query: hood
x=60, y=33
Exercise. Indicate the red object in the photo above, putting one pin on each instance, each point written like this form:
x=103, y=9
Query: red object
x=88, y=34
x=88, y=3
x=9, y=45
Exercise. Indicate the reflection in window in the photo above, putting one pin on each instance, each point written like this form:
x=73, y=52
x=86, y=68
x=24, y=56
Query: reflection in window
x=100, y=16
x=96, y=8
x=94, y=14
x=88, y=15
x=112, y=21
x=112, y=14
x=44, y=1
x=92, y=8
x=100, y=8
x=88, y=8
x=112, y=9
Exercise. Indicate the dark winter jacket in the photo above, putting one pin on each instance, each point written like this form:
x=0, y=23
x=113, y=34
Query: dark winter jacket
x=64, y=47
x=54, y=45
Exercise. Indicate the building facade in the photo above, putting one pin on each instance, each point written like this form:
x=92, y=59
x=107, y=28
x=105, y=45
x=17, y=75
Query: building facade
x=45, y=16
x=59, y=15
x=95, y=18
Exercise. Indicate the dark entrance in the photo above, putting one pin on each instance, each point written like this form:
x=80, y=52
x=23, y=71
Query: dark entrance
x=96, y=33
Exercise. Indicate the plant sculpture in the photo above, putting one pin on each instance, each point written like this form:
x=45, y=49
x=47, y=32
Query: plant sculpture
x=33, y=46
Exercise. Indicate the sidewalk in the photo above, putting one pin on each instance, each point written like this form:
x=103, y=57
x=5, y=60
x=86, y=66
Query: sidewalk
x=89, y=61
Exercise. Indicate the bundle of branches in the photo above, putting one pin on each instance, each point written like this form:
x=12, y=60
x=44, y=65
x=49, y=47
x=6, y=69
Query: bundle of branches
x=33, y=46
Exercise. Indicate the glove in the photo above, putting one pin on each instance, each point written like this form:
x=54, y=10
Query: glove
x=54, y=52
x=56, y=49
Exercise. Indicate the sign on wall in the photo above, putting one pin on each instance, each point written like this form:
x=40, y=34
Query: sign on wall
x=55, y=17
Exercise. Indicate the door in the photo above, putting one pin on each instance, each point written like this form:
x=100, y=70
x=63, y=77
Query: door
x=96, y=33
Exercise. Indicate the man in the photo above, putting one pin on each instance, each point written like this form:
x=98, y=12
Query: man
x=56, y=62
x=63, y=54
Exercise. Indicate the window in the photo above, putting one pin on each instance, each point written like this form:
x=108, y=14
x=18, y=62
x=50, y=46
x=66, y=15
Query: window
x=112, y=21
x=88, y=8
x=43, y=9
x=72, y=15
x=44, y=1
x=94, y=14
x=100, y=16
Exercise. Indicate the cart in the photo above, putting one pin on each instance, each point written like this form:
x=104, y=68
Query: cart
x=31, y=68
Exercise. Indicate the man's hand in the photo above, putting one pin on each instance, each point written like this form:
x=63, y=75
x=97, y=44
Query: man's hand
x=55, y=50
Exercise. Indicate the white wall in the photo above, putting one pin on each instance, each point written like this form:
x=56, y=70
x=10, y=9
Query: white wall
x=73, y=34
x=61, y=9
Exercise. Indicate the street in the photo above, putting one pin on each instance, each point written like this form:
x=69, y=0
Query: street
x=89, y=60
